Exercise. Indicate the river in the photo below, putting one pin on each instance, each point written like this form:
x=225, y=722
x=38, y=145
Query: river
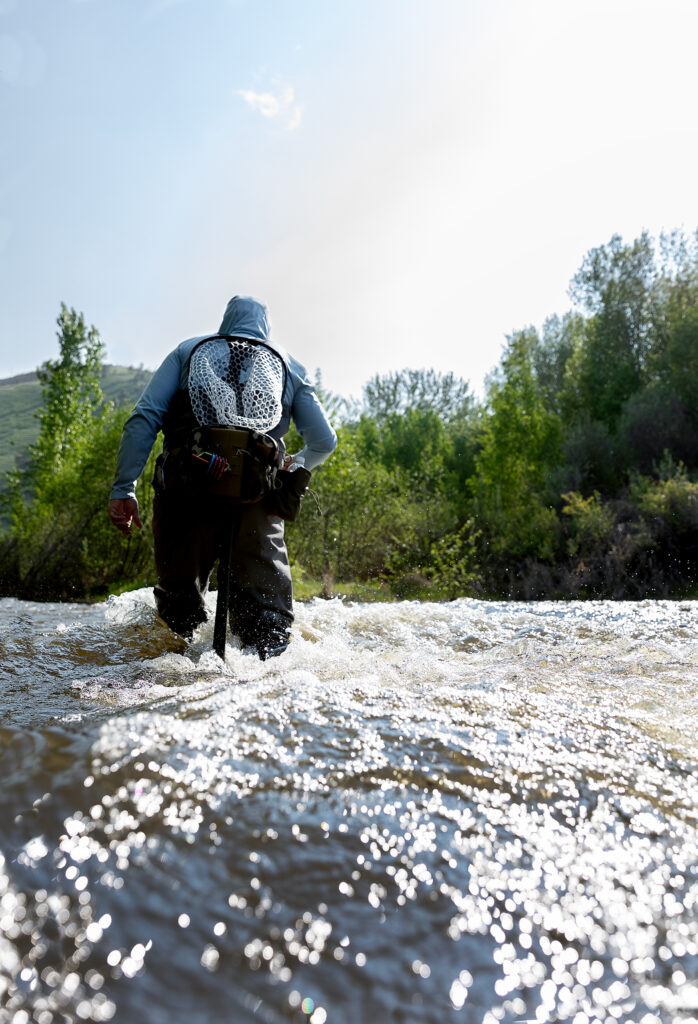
x=472, y=812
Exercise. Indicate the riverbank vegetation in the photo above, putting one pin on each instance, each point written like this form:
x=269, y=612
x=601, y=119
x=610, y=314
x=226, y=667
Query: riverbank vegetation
x=576, y=476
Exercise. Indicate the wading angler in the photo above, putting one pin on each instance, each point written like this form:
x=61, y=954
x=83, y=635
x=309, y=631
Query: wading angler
x=224, y=484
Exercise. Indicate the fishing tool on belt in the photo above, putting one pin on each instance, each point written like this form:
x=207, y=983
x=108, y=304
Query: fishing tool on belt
x=216, y=465
x=221, y=447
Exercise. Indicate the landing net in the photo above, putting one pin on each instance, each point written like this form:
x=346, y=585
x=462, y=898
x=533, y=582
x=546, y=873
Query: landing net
x=235, y=383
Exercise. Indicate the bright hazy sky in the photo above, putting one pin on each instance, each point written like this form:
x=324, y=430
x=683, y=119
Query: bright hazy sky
x=403, y=182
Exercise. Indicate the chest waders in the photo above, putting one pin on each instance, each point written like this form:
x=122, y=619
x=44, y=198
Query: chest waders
x=216, y=440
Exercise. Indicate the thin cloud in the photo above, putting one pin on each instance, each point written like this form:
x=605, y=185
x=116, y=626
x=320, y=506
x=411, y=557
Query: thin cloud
x=280, y=104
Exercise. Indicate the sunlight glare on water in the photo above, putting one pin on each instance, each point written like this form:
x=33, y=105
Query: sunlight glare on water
x=466, y=811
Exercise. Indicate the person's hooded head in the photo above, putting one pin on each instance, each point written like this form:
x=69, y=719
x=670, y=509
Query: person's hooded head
x=246, y=318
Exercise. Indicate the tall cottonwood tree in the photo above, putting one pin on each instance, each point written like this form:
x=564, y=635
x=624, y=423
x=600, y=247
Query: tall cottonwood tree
x=71, y=392
x=615, y=286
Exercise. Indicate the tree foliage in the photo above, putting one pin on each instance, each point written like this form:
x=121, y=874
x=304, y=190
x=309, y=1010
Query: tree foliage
x=520, y=443
x=416, y=390
x=71, y=393
x=60, y=543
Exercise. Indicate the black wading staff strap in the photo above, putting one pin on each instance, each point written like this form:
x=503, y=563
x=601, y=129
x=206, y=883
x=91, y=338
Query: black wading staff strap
x=220, y=627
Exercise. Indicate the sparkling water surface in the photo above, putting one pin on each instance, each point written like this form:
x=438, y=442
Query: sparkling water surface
x=472, y=811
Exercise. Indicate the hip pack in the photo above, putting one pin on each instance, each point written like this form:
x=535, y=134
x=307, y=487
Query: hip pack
x=221, y=462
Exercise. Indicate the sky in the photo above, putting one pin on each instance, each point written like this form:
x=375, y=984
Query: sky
x=403, y=182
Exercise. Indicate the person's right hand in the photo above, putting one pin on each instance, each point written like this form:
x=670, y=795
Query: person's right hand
x=123, y=512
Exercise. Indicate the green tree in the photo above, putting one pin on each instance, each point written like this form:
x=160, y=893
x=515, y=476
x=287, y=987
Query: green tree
x=454, y=566
x=560, y=337
x=60, y=543
x=71, y=392
x=422, y=390
x=677, y=365
x=520, y=444
x=615, y=286
x=417, y=448
x=363, y=515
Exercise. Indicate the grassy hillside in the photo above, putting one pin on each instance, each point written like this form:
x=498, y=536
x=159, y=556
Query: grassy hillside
x=20, y=399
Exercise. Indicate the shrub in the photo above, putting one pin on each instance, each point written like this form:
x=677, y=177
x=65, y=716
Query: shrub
x=590, y=523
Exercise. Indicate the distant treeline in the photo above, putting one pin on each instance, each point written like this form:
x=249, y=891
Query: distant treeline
x=575, y=477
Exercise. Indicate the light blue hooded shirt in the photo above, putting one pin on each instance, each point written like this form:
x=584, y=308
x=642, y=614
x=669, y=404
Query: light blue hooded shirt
x=243, y=318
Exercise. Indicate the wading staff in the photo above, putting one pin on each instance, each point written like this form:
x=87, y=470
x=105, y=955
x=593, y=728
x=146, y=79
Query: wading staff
x=221, y=621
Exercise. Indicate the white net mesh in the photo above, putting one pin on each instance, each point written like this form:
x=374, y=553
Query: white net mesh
x=235, y=383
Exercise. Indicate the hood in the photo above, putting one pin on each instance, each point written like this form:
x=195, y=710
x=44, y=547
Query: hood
x=246, y=318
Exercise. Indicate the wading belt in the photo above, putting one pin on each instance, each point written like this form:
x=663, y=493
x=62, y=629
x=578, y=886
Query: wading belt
x=223, y=462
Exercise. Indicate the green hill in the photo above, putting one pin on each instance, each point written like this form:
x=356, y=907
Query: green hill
x=20, y=400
